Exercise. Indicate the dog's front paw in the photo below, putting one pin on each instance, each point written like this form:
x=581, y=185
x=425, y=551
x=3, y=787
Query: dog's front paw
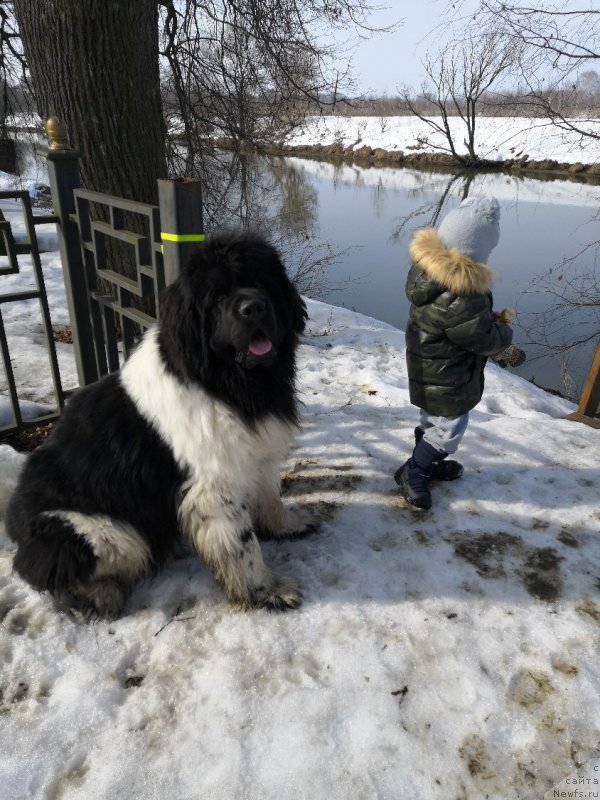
x=279, y=594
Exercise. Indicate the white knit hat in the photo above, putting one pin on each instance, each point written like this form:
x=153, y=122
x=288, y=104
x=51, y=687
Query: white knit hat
x=473, y=228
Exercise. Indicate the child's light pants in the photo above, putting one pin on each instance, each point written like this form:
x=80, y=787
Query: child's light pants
x=444, y=433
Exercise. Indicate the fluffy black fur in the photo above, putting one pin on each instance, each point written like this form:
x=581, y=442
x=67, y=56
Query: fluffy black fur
x=106, y=458
x=222, y=274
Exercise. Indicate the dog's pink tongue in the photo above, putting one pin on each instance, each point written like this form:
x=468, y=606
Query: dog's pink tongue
x=260, y=347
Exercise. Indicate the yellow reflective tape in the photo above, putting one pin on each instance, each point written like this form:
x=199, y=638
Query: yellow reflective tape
x=182, y=237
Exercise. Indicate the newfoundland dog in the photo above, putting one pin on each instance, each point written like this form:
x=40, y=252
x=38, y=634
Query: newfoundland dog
x=186, y=441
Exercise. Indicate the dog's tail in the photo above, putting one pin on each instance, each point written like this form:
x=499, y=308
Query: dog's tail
x=52, y=555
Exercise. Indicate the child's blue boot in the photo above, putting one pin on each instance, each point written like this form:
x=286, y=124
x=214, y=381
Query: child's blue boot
x=444, y=470
x=414, y=475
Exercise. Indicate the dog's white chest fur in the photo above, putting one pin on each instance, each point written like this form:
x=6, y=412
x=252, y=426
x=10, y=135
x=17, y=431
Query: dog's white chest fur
x=203, y=433
x=232, y=474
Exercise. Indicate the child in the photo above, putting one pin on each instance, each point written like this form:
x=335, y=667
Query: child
x=452, y=330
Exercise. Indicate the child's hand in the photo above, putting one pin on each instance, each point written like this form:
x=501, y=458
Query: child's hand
x=510, y=357
x=506, y=315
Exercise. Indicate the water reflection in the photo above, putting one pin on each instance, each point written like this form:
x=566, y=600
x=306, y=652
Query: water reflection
x=274, y=197
x=267, y=195
x=546, y=262
x=344, y=232
x=431, y=212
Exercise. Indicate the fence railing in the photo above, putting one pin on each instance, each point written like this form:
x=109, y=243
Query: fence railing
x=11, y=251
x=117, y=255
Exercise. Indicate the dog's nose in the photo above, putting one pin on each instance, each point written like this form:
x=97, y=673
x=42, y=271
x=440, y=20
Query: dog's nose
x=252, y=309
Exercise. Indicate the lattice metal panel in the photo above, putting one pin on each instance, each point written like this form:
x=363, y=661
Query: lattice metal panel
x=12, y=250
x=123, y=262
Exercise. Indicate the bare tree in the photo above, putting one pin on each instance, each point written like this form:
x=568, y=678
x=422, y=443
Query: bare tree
x=557, y=41
x=564, y=36
x=568, y=327
x=227, y=65
x=249, y=70
x=458, y=77
x=231, y=77
x=95, y=66
x=14, y=89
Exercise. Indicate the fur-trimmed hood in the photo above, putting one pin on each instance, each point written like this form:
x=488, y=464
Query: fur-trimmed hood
x=451, y=269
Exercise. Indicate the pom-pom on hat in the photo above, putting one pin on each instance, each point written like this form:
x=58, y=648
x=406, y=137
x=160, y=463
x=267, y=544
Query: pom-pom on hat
x=473, y=228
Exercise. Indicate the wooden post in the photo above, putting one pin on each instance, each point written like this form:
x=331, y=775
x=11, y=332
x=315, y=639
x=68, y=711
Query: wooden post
x=8, y=155
x=590, y=396
x=63, y=174
x=180, y=203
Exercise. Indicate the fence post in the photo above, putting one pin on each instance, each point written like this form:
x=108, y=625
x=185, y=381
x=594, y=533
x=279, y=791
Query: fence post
x=180, y=202
x=590, y=396
x=63, y=174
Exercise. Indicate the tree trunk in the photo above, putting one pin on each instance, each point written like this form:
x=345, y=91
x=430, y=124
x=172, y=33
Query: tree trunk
x=94, y=65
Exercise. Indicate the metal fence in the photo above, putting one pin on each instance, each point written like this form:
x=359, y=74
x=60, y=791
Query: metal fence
x=12, y=250
x=117, y=256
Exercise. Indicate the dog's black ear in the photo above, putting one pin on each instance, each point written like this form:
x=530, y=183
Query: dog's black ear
x=296, y=305
x=182, y=336
x=173, y=327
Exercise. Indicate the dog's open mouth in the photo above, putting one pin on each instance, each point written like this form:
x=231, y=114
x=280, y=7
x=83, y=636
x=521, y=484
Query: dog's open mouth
x=260, y=346
x=260, y=350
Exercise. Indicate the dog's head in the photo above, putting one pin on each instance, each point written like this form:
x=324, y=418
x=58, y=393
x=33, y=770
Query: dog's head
x=233, y=308
x=245, y=322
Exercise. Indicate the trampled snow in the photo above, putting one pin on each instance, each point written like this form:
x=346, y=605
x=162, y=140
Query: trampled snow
x=445, y=654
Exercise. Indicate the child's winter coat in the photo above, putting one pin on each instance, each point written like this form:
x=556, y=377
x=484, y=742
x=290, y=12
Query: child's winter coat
x=450, y=332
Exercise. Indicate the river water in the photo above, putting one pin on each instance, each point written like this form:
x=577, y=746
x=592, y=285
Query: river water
x=344, y=230
x=362, y=219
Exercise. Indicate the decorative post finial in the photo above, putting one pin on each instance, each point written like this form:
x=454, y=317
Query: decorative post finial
x=57, y=134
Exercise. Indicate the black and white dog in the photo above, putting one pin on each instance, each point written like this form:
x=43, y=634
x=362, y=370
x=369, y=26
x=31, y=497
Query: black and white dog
x=186, y=440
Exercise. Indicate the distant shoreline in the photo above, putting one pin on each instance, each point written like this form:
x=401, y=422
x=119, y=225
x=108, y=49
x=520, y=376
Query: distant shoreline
x=513, y=145
x=397, y=158
x=379, y=157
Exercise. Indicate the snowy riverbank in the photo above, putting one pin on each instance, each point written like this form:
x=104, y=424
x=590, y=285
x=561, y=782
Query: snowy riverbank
x=521, y=144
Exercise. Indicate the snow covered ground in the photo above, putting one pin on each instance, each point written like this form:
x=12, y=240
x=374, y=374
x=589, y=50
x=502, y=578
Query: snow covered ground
x=496, y=138
x=450, y=654
x=440, y=655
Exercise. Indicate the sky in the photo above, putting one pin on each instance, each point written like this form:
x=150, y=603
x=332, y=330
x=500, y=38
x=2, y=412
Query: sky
x=451, y=653
x=386, y=62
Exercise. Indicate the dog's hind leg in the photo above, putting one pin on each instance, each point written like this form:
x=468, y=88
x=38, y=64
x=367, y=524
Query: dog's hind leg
x=221, y=531
x=52, y=556
x=98, y=598
x=85, y=561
